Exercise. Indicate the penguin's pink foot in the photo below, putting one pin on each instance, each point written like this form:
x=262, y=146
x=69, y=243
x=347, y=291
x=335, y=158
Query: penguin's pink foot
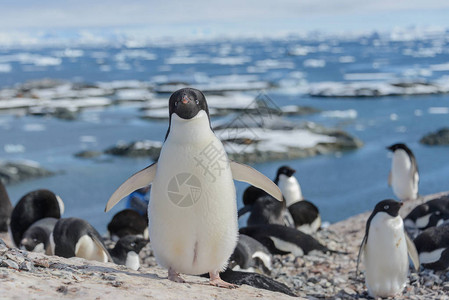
x=174, y=276
x=215, y=280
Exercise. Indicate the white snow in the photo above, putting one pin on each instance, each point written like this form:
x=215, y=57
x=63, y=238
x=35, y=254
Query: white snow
x=369, y=76
x=342, y=114
x=134, y=95
x=5, y=68
x=438, y=110
x=314, y=63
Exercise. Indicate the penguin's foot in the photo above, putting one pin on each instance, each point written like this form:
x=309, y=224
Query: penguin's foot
x=174, y=276
x=215, y=280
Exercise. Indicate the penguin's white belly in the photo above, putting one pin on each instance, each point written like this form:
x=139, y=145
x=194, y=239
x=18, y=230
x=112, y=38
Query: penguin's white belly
x=386, y=259
x=193, y=212
x=405, y=186
x=290, y=188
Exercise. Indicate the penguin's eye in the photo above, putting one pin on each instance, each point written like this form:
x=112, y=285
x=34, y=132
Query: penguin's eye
x=34, y=240
x=133, y=244
x=176, y=103
x=386, y=207
x=197, y=101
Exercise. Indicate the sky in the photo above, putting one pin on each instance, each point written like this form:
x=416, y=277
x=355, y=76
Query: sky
x=208, y=17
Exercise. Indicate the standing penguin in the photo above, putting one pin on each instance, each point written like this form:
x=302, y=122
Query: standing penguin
x=403, y=177
x=305, y=214
x=32, y=207
x=385, y=247
x=193, y=212
x=5, y=208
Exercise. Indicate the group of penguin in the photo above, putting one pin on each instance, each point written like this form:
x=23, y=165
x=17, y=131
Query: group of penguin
x=195, y=230
x=387, y=246
x=36, y=224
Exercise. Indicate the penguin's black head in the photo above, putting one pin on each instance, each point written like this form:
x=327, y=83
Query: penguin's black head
x=285, y=170
x=388, y=206
x=132, y=243
x=395, y=147
x=33, y=237
x=187, y=102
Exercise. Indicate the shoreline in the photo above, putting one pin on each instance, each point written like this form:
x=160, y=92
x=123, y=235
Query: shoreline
x=314, y=276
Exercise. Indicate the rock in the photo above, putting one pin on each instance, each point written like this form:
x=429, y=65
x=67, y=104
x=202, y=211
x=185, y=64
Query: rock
x=13, y=172
x=88, y=154
x=440, y=137
x=136, y=149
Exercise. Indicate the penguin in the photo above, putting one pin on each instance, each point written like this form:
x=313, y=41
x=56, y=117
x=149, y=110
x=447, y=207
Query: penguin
x=32, y=207
x=250, y=255
x=404, y=175
x=432, y=213
x=76, y=237
x=433, y=247
x=126, y=251
x=127, y=222
x=384, y=248
x=256, y=280
x=5, y=208
x=37, y=237
x=265, y=210
x=193, y=212
x=283, y=240
x=305, y=214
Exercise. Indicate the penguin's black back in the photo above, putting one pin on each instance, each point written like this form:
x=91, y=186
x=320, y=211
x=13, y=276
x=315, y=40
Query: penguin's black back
x=126, y=244
x=127, y=222
x=5, y=208
x=33, y=206
x=291, y=235
x=303, y=212
x=67, y=233
x=255, y=280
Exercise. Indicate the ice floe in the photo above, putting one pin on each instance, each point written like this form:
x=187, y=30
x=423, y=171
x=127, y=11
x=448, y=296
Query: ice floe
x=342, y=114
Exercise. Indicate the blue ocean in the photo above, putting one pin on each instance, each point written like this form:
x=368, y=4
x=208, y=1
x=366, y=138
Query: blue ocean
x=340, y=184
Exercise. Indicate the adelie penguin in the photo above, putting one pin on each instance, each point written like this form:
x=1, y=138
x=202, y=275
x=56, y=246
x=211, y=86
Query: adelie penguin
x=250, y=256
x=433, y=247
x=37, y=237
x=5, y=208
x=305, y=214
x=127, y=222
x=193, y=212
x=282, y=240
x=74, y=237
x=126, y=251
x=404, y=176
x=432, y=213
x=32, y=207
x=385, y=249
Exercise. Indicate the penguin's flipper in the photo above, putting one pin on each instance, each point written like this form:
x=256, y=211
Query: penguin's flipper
x=389, y=179
x=243, y=210
x=137, y=181
x=412, y=252
x=359, y=256
x=101, y=247
x=247, y=174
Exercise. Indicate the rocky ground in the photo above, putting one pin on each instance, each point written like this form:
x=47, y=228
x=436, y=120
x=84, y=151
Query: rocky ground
x=26, y=275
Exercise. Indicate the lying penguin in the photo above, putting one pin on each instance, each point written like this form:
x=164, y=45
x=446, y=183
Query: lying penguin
x=384, y=248
x=192, y=214
x=250, y=256
x=37, y=237
x=432, y=213
x=433, y=247
x=32, y=207
x=283, y=240
x=127, y=222
x=74, y=237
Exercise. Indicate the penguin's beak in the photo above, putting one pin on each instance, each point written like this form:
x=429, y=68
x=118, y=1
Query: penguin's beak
x=185, y=99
